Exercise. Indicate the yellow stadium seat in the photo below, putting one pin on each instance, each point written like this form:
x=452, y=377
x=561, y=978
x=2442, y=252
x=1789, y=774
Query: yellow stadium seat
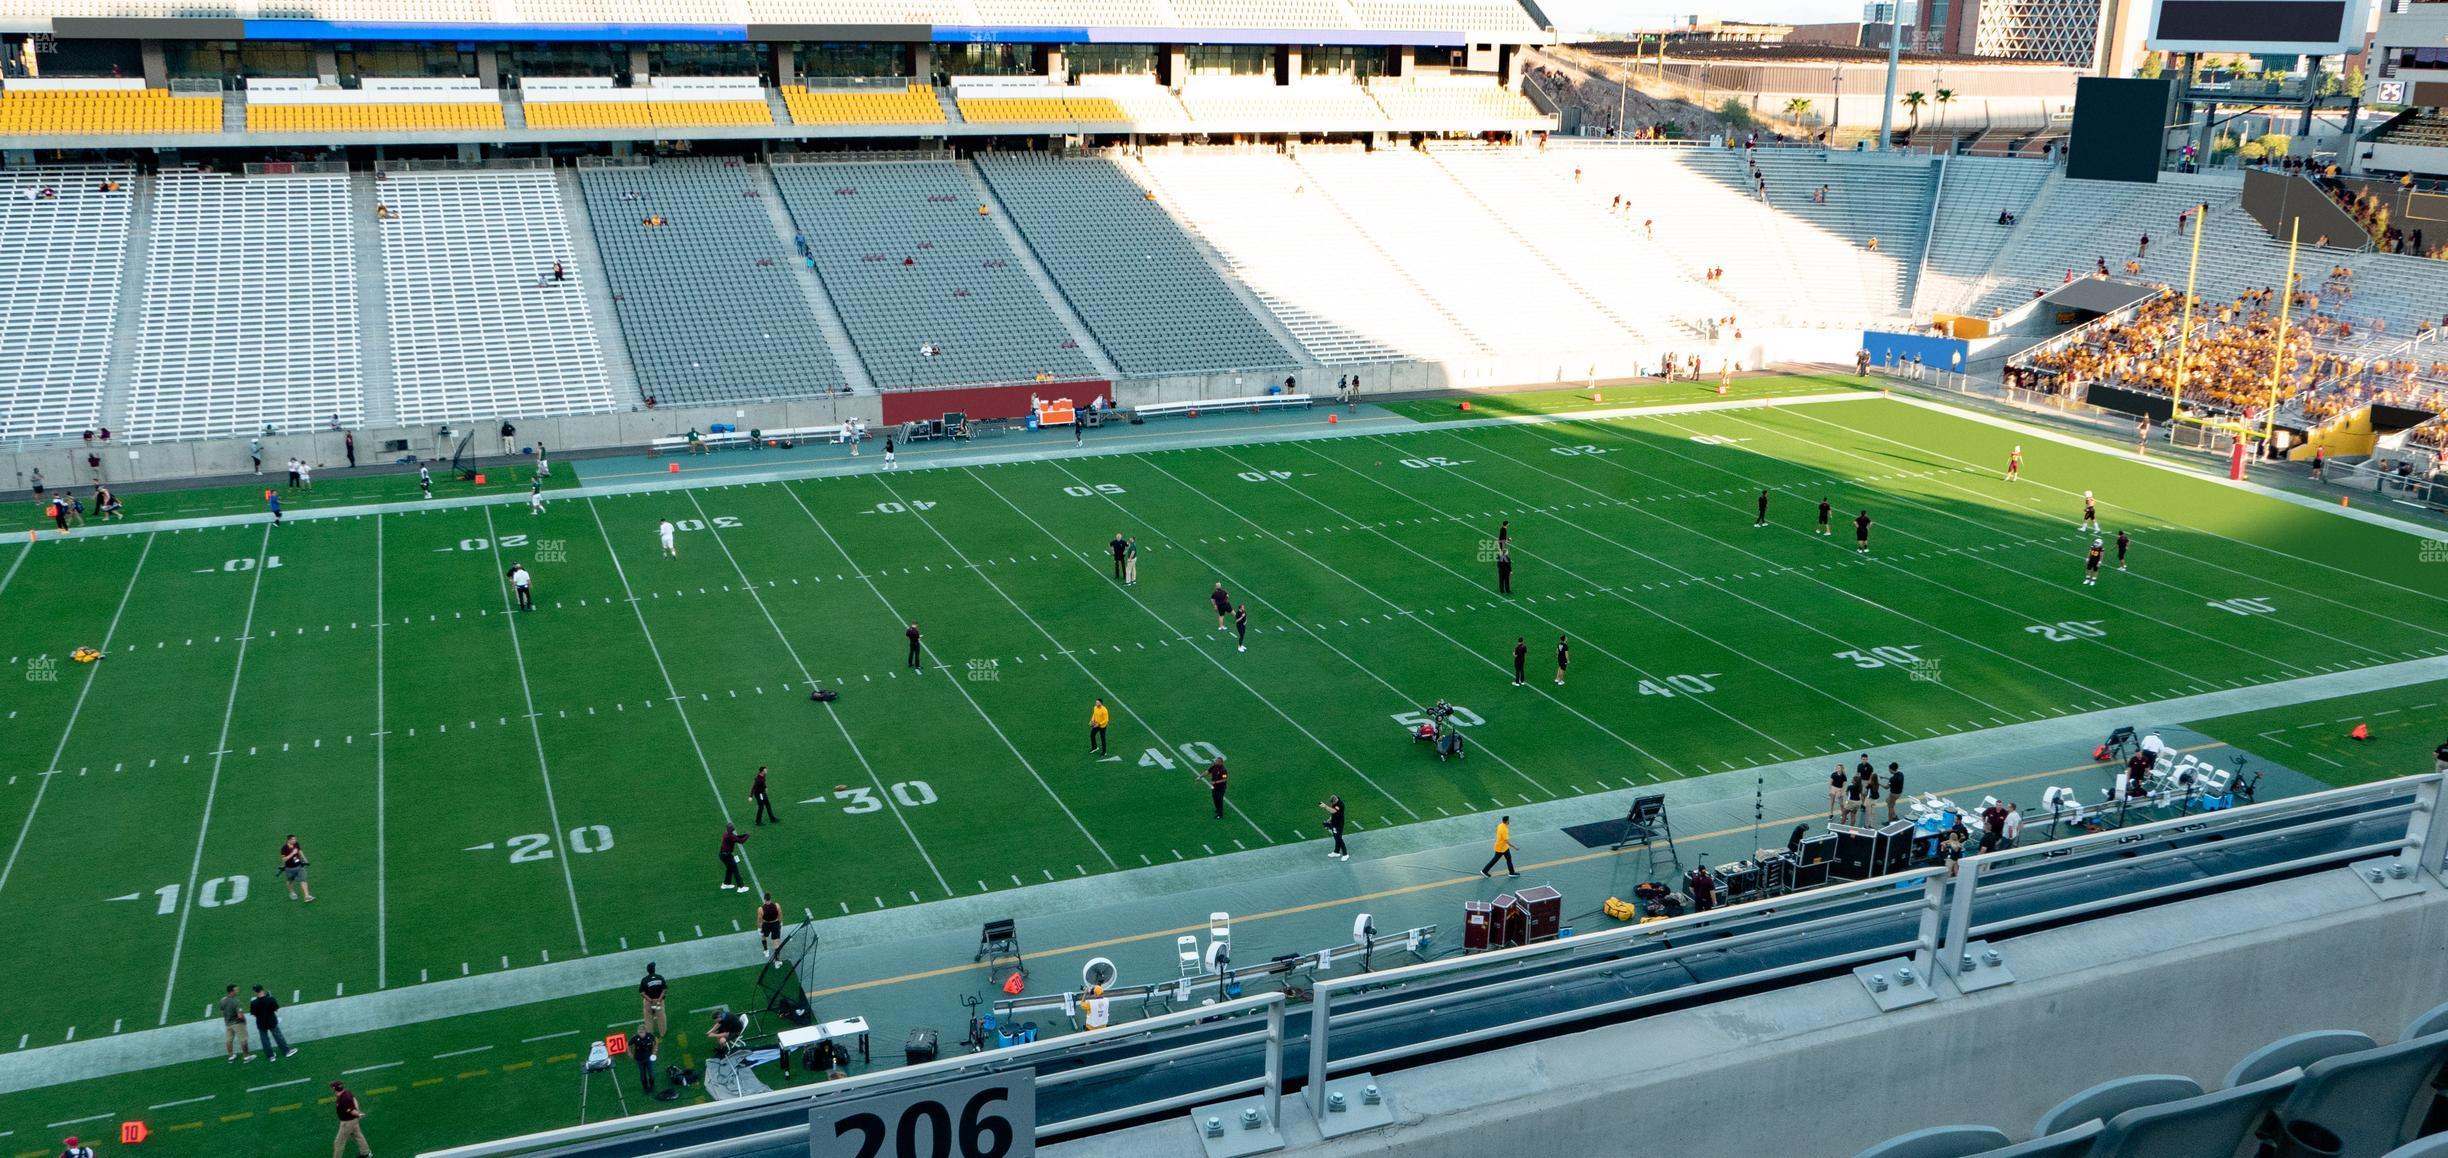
x=367, y=118
x=914, y=105
x=70, y=112
x=645, y=114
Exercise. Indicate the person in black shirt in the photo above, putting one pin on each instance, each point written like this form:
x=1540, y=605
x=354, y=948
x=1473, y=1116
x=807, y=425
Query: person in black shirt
x=1563, y=658
x=1895, y=787
x=1861, y=533
x=1823, y=516
x=2439, y=757
x=1521, y=658
x=1763, y=510
x=651, y=988
x=764, y=803
x=1215, y=786
x=1241, y=627
x=1504, y=568
x=1334, y=826
x=1223, y=606
x=2123, y=541
x=266, y=1009
x=1119, y=545
x=732, y=839
x=912, y=633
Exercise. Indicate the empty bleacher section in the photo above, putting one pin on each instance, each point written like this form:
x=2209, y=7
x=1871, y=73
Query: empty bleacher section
x=28, y=111
x=2079, y=224
x=59, y=293
x=1435, y=103
x=1149, y=107
x=1143, y=287
x=1041, y=105
x=927, y=287
x=1469, y=259
x=860, y=12
x=1967, y=236
x=250, y=308
x=479, y=325
x=707, y=299
x=1263, y=102
x=1472, y=15
x=672, y=102
x=1262, y=13
x=1867, y=198
x=1302, y=259
x=372, y=118
x=1092, y=13
x=913, y=104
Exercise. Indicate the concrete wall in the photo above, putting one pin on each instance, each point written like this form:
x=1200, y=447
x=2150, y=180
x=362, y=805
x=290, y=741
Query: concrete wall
x=1817, y=1070
x=123, y=463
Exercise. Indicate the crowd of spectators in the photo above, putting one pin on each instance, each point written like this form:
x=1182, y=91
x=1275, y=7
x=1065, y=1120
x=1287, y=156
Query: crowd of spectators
x=2227, y=364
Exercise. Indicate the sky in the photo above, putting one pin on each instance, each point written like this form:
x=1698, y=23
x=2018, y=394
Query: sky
x=1612, y=15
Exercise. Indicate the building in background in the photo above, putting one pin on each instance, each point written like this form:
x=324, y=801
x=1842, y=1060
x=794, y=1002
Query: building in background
x=2103, y=37
x=2408, y=69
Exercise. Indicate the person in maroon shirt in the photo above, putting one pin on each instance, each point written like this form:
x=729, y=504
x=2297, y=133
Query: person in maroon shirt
x=350, y=1113
x=1223, y=606
x=912, y=633
x=769, y=928
x=732, y=839
x=764, y=802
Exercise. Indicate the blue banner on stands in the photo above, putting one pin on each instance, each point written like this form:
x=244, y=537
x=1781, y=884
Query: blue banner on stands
x=1937, y=353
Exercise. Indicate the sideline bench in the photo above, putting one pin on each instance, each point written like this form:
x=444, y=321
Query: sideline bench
x=679, y=443
x=1252, y=403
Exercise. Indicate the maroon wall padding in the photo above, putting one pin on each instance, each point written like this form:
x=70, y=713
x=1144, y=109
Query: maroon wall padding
x=984, y=401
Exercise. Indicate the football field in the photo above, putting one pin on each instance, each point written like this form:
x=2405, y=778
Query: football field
x=480, y=789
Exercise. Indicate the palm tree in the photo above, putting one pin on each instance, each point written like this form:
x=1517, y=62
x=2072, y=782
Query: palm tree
x=1797, y=108
x=1912, y=102
x=1944, y=97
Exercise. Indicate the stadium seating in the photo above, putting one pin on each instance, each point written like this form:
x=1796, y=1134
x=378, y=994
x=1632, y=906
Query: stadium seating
x=1868, y=197
x=860, y=12
x=1261, y=13
x=479, y=327
x=60, y=272
x=1407, y=103
x=613, y=12
x=2429, y=130
x=1461, y=15
x=913, y=105
x=1040, y=108
x=42, y=112
x=1317, y=102
x=1967, y=238
x=372, y=117
x=928, y=288
x=1143, y=287
x=1303, y=260
x=708, y=301
x=1513, y=298
x=1145, y=104
x=647, y=114
x=1090, y=13
x=250, y=308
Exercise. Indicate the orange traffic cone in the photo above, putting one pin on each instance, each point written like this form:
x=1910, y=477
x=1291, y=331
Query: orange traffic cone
x=2361, y=732
x=1014, y=983
x=1466, y=406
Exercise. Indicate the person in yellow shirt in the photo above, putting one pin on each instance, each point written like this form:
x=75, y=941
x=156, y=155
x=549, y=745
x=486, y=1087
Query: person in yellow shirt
x=1098, y=717
x=1504, y=848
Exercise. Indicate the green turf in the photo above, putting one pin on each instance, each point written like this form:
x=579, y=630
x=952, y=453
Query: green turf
x=2405, y=723
x=453, y=831
x=1585, y=399
x=151, y=502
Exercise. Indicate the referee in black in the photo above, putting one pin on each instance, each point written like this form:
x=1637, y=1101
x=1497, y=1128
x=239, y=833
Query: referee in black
x=1504, y=568
x=1763, y=509
x=1861, y=533
x=912, y=633
x=1521, y=659
x=1119, y=545
x=1215, y=785
x=1241, y=627
x=1823, y=516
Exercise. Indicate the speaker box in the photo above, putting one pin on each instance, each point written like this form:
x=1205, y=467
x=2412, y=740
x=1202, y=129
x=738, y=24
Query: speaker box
x=1896, y=843
x=1544, y=910
x=922, y=1047
x=1856, y=852
x=1508, y=923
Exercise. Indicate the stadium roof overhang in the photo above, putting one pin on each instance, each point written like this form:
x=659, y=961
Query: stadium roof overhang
x=224, y=28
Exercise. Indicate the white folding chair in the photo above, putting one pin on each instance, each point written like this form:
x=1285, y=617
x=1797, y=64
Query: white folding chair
x=1186, y=948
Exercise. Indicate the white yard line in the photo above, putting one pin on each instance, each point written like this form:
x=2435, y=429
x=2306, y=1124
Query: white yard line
x=2024, y=576
x=19, y=561
x=2052, y=436
x=955, y=686
x=669, y=688
x=382, y=878
x=212, y=789
x=535, y=728
x=93, y=671
x=1287, y=717
x=1773, y=564
x=1068, y=653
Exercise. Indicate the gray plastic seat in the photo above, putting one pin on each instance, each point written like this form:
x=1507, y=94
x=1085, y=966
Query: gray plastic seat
x=2296, y=1052
x=2073, y=1143
x=2434, y=1021
x=2110, y=1098
x=2365, y=1098
x=2210, y=1126
x=1939, y=1142
x=2435, y=1146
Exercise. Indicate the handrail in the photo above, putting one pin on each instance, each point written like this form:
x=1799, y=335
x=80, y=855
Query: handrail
x=1016, y=1057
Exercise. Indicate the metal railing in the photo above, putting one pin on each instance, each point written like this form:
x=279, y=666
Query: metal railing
x=1895, y=933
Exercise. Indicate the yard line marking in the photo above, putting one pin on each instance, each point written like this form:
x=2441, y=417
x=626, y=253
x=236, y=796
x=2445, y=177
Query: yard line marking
x=277, y=1085
x=1935, y=509
x=1821, y=582
x=95, y=670
x=960, y=686
x=518, y=655
x=212, y=789
x=462, y=1052
x=680, y=705
x=188, y=1101
x=372, y=1068
x=1261, y=697
x=382, y=878
x=80, y=1121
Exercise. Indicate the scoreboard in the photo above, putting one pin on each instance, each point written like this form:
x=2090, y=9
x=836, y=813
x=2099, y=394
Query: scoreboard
x=2265, y=27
